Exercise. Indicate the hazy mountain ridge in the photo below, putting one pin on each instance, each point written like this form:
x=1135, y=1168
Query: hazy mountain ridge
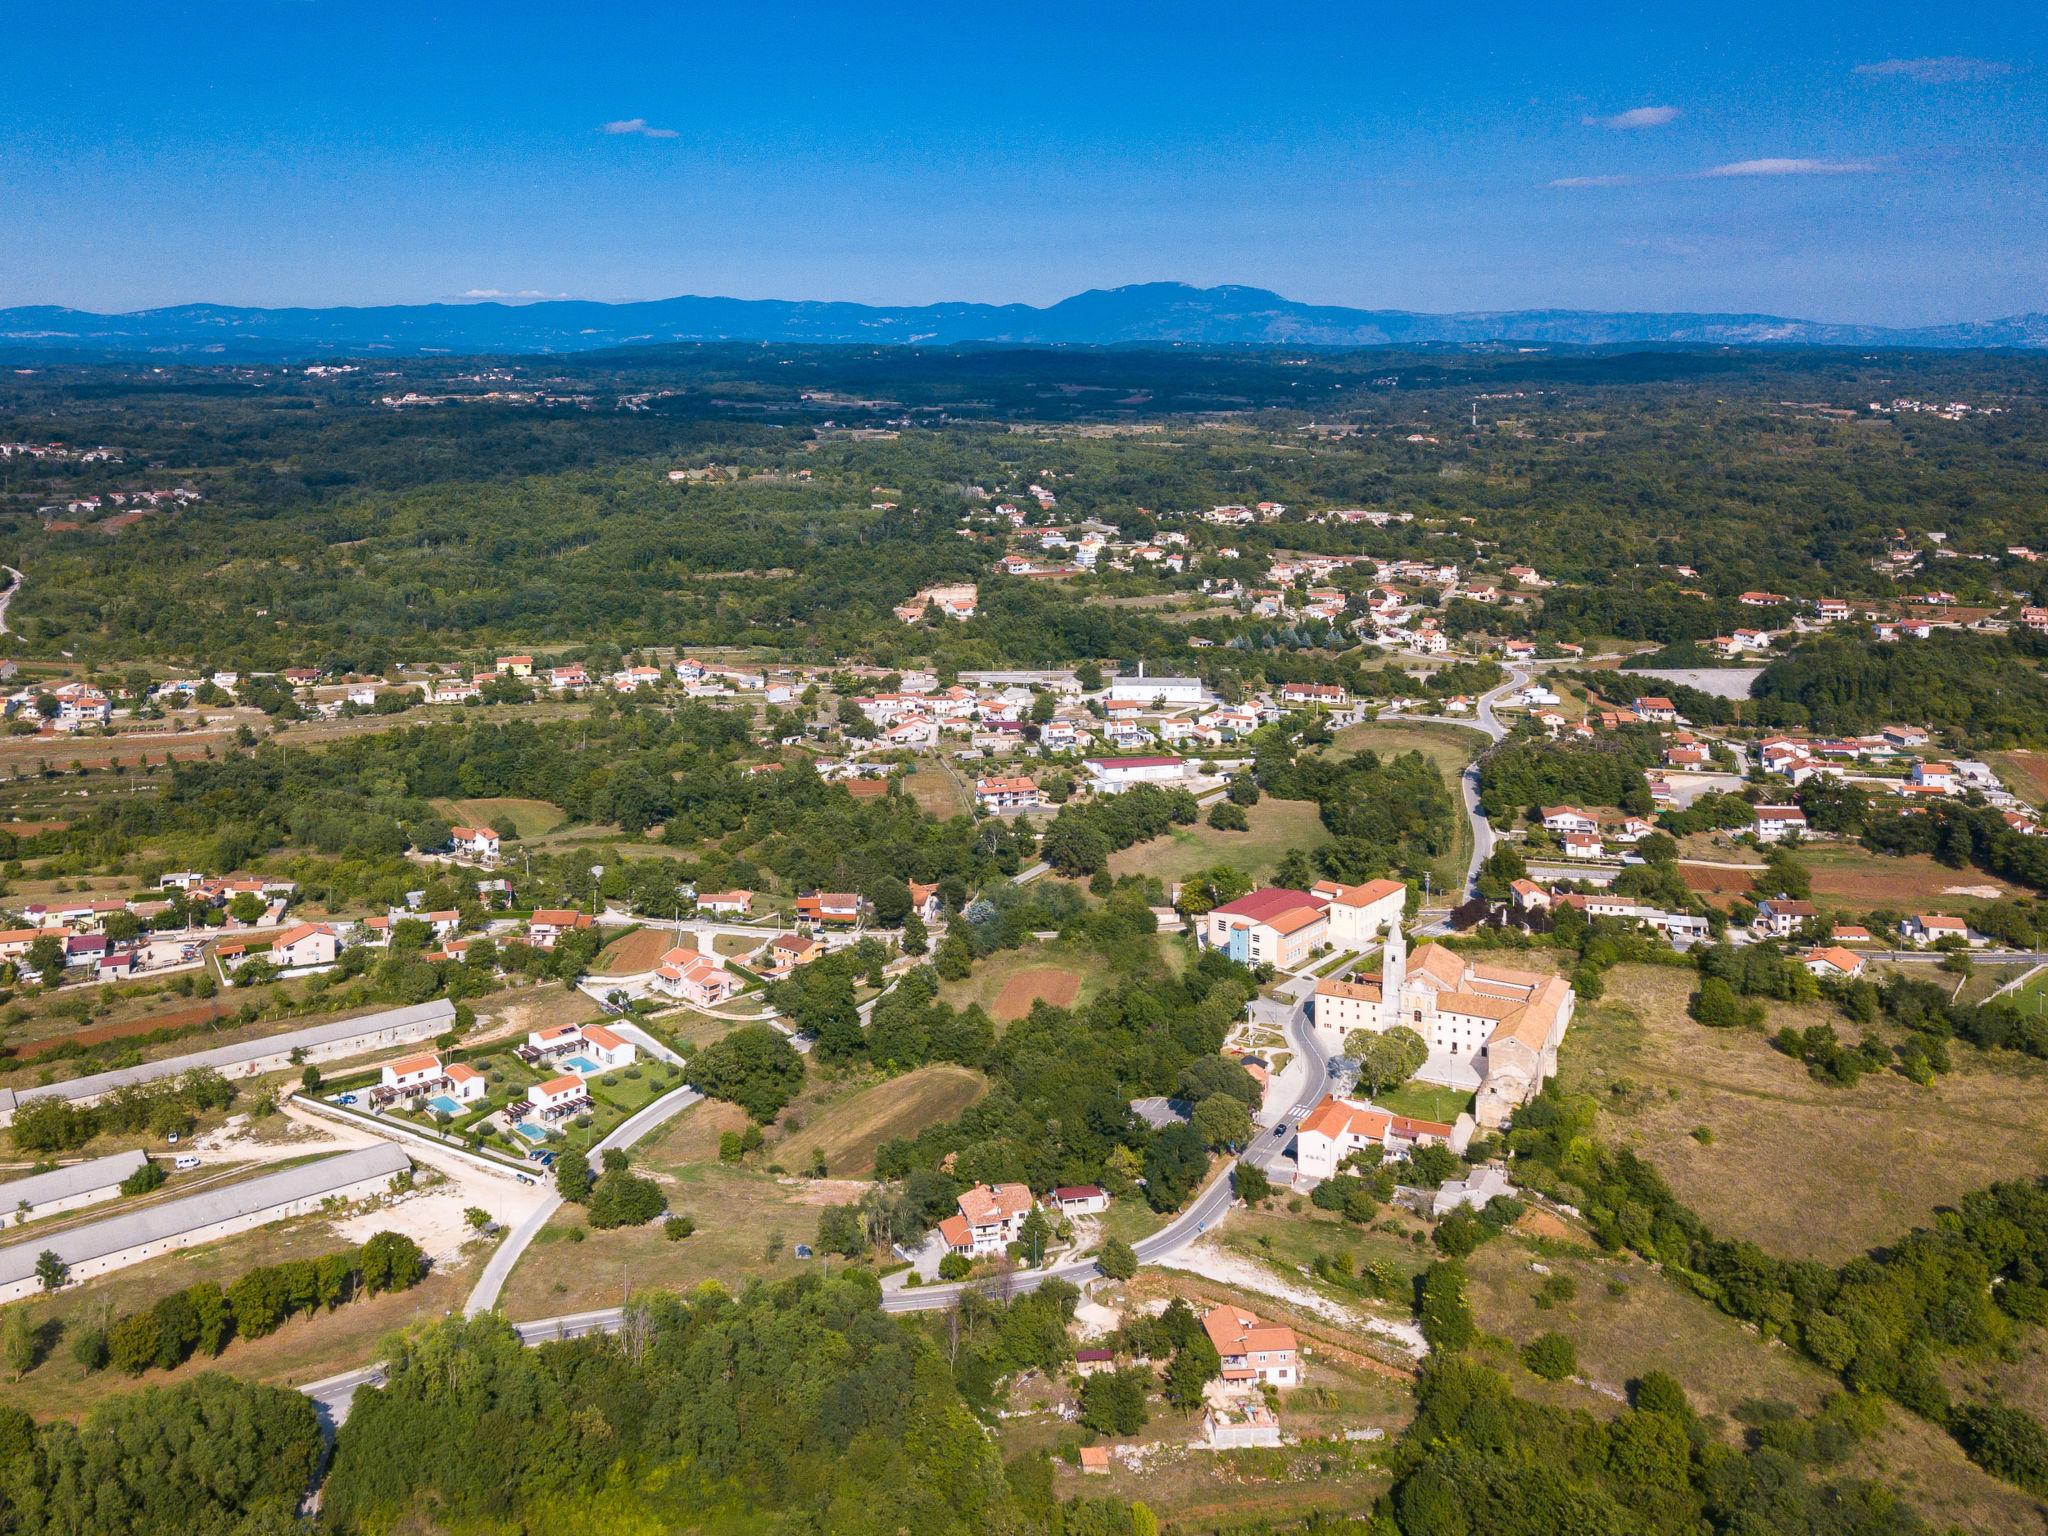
x=1165, y=313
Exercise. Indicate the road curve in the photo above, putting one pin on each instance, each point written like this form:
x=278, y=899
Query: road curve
x=1488, y=721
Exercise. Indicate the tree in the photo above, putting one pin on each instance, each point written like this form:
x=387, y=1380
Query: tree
x=47, y=959
x=1223, y=1121
x=1113, y=1402
x=51, y=1271
x=1387, y=1057
x=1195, y=1364
x=1118, y=1259
x=954, y=1266
x=622, y=1198
x=391, y=1261
x=1551, y=1356
x=20, y=1340
x=1446, y=1316
x=149, y=1176
x=839, y=1231
x=1226, y=817
x=572, y=1176
x=1033, y=1233
x=246, y=907
x=915, y=939
x=754, y=1067
x=1251, y=1183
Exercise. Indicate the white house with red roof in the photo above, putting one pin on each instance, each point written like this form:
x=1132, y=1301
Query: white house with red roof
x=556, y=1099
x=1569, y=818
x=1775, y=822
x=1336, y=1128
x=475, y=843
x=549, y=923
x=1932, y=927
x=1078, y=1200
x=1252, y=1351
x=1359, y=914
x=1005, y=795
x=989, y=1219
x=695, y=977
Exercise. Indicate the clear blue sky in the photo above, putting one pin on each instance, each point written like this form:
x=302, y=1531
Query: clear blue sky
x=1869, y=161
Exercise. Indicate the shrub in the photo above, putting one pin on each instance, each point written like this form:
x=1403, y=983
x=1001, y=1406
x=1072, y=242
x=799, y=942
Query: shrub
x=676, y=1228
x=1551, y=1356
x=954, y=1266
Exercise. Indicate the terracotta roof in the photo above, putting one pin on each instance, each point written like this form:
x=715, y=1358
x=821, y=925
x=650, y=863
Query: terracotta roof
x=984, y=1204
x=462, y=1073
x=554, y=1087
x=601, y=1037
x=405, y=1066
x=1236, y=1332
x=1354, y=991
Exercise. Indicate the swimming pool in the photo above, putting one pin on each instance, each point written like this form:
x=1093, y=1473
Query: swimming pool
x=532, y=1133
x=583, y=1066
x=445, y=1105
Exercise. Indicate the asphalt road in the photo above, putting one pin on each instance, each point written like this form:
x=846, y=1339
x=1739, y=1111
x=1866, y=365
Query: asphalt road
x=1487, y=720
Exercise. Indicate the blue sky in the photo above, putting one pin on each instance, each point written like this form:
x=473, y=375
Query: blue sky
x=1872, y=162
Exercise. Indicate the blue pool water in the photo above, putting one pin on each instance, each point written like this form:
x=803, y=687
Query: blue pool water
x=583, y=1066
x=531, y=1132
x=444, y=1104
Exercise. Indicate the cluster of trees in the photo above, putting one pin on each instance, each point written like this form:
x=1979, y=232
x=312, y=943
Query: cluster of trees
x=798, y=1402
x=754, y=1067
x=1886, y=1323
x=1988, y=690
x=1518, y=776
x=212, y=1455
x=1385, y=814
x=1080, y=839
x=1058, y=1108
x=160, y=1108
x=202, y=1318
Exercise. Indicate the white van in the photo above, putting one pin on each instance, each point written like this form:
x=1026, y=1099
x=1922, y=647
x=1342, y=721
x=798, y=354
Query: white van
x=186, y=1163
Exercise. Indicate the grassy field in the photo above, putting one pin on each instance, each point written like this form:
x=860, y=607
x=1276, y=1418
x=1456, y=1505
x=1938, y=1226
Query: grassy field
x=530, y=818
x=747, y=1221
x=937, y=792
x=1005, y=983
x=1626, y=1318
x=1276, y=826
x=1425, y=1101
x=848, y=1130
x=1805, y=1169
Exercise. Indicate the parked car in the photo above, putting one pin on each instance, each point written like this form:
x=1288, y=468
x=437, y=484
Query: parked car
x=186, y=1163
x=522, y=1178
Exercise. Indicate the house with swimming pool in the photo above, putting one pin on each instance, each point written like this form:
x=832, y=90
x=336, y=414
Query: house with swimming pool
x=587, y=1049
x=556, y=1100
x=410, y=1080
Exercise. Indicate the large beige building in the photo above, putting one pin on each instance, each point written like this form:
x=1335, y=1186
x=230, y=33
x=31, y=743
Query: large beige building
x=1489, y=1029
x=1359, y=914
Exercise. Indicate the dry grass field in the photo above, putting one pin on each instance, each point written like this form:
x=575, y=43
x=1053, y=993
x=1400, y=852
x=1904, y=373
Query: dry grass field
x=1276, y=826
x=1803, y=1168
x=847, y=1130
x=937, y=793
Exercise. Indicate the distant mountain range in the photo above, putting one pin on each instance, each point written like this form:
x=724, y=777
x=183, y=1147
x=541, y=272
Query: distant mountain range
x=1160, y=313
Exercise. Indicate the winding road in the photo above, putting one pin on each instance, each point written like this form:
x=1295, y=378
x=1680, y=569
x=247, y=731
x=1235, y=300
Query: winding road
x=1487, y=720
x=8, y=596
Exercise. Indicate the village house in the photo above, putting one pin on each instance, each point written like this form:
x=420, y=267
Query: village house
x=515, y=666
x=787, y=951
x=1582, y=845
x=549, y=923
x=988, y=1220
x=1078, y=1200
x=307, y=946
x=829, y=909
x=1569, y=818
x=1933, y=927
x=1336, y=1128
x=1773, y=823
x=1359, y=914
x=1252, y=1351
x=556, y=1099
x=1830, y=962
x=726, y=903
x=956, y=601
x=475, y=843
x=695, y=977
x=1002, y=795
x=1780, y=917
x=1114, y=775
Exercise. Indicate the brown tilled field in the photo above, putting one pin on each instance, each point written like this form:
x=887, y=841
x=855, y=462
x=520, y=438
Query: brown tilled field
x=637, y=951
x=99, y=1034
x=1040, y=984
x=1719, y=886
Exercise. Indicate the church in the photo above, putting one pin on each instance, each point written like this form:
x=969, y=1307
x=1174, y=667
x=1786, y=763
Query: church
x=1490, y=1030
